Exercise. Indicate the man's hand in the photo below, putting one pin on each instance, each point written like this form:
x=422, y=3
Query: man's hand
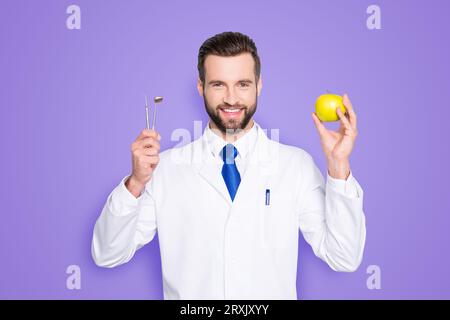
x=145, y=158
x=338, y=145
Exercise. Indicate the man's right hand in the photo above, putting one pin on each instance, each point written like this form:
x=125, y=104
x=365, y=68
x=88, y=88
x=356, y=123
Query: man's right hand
x=145, y=158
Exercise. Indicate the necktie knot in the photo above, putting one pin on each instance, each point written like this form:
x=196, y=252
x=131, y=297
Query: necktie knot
x=229, y=153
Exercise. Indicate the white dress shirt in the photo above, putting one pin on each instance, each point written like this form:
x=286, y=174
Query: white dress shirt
x=244, y=145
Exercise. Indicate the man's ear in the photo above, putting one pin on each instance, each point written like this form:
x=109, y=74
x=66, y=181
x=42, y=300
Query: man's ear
x=200, y=87
x=259, y=85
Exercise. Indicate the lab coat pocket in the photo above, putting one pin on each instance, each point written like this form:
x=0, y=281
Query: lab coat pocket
x=274, y=225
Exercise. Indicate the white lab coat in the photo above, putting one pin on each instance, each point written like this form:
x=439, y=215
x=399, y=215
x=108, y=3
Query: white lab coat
x=213, y=248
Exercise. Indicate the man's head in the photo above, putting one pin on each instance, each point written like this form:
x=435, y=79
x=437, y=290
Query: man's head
x=229, y=80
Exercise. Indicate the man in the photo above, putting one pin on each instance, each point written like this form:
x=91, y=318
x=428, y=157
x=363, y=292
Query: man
x=228, y=206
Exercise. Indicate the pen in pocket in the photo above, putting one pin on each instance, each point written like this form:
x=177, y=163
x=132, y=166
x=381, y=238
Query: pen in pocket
x=267, y=197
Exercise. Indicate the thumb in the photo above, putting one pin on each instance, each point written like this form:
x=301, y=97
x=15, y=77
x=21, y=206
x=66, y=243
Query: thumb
x=319, y=125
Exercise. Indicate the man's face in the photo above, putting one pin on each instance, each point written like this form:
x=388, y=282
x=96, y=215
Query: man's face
x=230, y=91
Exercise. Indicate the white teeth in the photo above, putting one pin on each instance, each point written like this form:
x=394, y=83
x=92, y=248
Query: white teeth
x=231, y=110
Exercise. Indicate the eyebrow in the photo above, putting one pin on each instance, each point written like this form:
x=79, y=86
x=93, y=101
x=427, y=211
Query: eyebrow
x=219, y=81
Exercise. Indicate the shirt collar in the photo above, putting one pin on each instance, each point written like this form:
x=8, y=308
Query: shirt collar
x=244, y=144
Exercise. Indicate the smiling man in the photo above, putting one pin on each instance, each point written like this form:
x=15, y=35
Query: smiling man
x=229, y=206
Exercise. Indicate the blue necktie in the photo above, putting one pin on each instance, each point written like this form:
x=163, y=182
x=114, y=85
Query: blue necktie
x=230, y=172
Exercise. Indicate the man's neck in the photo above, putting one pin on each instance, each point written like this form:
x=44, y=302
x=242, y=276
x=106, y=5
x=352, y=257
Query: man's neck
x=230, y=136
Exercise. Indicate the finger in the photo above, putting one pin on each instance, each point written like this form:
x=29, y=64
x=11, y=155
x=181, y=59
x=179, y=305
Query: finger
x=148, y=133
x=151, y=159
x=148, y=161
x=344, y=121
x=139, y=146
x=319, y=125
x=150, y=151
x=148, y=143
x=345, y=126
x=350, y=110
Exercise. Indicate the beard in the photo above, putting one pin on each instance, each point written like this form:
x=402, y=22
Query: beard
x=230, y=126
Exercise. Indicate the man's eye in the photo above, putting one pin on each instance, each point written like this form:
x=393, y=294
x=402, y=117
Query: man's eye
x=217, y=84
x=244, y=84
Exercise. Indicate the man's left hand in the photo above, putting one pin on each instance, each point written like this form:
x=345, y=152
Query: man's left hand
x=338, y=145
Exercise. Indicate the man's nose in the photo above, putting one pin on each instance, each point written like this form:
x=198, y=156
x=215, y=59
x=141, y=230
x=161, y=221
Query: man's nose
x=231, y=97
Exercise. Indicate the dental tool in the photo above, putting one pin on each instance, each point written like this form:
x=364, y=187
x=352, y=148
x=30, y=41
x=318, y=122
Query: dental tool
x=156, y=100
x=146, y=112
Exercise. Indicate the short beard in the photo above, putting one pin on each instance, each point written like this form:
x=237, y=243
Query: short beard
x=232, y=126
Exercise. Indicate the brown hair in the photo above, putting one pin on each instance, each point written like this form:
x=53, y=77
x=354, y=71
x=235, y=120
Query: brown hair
x=227, y=44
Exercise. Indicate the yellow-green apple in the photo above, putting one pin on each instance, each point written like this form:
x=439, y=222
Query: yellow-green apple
x=326, y=106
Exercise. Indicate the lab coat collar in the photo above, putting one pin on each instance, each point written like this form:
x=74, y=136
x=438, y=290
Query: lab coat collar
x=244, y=144
x=260, y=164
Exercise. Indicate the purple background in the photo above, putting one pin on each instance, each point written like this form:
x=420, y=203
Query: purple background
x=72, y=103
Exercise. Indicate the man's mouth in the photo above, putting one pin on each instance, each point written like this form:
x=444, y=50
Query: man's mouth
x=231, y=113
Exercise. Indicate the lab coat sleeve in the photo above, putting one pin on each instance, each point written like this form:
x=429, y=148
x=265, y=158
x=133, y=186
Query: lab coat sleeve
x=126, y=223
x=331, y=217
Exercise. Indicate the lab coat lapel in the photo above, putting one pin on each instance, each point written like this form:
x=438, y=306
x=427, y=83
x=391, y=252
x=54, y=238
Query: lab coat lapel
x=261, y=165
x=262, y=162
x=210, y=170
